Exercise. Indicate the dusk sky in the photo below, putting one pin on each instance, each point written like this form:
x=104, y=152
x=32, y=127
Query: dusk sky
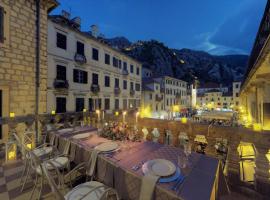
x=215, y=26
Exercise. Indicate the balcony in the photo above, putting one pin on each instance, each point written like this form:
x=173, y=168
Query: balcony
x=117, y=91
x=159, y=98
x=81, y=59
x=95, y=88
x=132, y=92
x=60, y=84
x=124, y=72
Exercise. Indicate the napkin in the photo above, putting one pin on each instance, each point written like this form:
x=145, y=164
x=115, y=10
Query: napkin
x=92, y=162
x=148, y=186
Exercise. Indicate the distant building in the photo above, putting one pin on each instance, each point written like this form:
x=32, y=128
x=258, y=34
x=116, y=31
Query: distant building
x=164, y=94
x=204, y=87
x=152, y=98
x=255, y=90
x=86, y=73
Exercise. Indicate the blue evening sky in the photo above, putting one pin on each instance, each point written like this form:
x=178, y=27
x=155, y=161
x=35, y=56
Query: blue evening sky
x=215, y=26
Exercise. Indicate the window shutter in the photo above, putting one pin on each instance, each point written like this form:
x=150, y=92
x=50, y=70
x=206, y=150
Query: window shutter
x=75, y=76
x=2, y=24
x=85, y=77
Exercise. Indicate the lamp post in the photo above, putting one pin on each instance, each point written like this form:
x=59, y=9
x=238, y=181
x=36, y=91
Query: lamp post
x=124, y=116
x=137, y=115
x=98, y=113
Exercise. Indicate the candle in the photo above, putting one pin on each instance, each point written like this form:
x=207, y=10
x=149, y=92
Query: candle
x=12, y=114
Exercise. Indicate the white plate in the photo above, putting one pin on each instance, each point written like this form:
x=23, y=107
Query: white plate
x=164, y=179
x=107, y=146
x=161, y=167
x=82, y=136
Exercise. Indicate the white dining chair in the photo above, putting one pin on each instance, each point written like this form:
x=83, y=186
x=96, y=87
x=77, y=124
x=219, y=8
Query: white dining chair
x=59, y=162
x=89, y=190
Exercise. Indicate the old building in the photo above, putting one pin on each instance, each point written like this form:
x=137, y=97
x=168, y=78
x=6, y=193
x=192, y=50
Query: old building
x=23, y=57
x=165, y=96
x=86, y=73
x=255, y=90
x=152, y=101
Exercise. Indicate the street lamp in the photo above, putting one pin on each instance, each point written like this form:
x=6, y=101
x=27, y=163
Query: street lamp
x=137, y=115
x=124, y=116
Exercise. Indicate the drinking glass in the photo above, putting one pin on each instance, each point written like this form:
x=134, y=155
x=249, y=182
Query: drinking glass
x=182, y=161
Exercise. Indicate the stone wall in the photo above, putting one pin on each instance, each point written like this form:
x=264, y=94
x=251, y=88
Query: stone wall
x=17, y=57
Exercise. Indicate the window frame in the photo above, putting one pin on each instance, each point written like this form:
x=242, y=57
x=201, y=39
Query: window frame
x=95, y=54
x=58, y=45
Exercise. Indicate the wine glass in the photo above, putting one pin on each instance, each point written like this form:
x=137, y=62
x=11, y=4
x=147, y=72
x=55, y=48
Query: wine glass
x=182, y=161
x=187, y=151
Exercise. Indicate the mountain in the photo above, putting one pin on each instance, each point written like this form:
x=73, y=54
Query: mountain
x=184, y=64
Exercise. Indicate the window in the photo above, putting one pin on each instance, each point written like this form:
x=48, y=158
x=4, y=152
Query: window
x=60, y=72
x=2, y=13
x=107, y=104
x=116, y=83
x=95, y=79
x=107, y=81
x=125, y=104
x=131, y=86
x=236, y=85
x=107, y=59
x=61, y=41
x=94, y=54
x=120, y=64
x=80, y=48
x=131, y=69
x=125, y=66
x=79, y=76
x=61, y=103
x=115, y=62
x=138, y=87
x=150, y=96
x=79, y=104
x=138, y=71
x=237, y=94
x=124, y=84
x=116, y=104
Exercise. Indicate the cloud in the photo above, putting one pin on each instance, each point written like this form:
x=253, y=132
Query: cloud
x=236, y=34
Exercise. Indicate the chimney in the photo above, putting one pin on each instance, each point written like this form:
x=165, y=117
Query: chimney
x=77, y=22
x=65, y=14
x=94, y=31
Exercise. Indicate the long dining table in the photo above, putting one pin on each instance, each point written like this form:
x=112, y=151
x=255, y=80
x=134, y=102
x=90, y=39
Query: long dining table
x=204, y=178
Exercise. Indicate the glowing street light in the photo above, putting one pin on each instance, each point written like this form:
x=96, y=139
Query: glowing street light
x=98, y=113
x=137, y=115
x=124, y=116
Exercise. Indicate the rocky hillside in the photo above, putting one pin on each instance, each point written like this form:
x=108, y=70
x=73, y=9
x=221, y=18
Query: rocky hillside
x=185, y=64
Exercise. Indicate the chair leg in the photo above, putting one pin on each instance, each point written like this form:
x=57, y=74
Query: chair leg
x=24, y=170
x=25, y=179
x=41, y=188
x=35, y=185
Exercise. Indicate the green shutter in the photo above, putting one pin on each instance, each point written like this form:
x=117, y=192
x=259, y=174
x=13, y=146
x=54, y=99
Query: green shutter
x=1, y=24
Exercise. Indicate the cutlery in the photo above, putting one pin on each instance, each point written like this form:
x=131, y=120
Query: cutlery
x=178, y=180
x=138, y=166
x=178, y=183
x=181, y=184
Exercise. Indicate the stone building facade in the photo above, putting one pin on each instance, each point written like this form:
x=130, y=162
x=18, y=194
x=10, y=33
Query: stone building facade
x=255, y=92
x=18, y=57
x=86, y=73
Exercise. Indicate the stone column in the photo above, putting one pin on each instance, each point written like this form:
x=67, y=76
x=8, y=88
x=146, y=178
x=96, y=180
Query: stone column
x=262, y=169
